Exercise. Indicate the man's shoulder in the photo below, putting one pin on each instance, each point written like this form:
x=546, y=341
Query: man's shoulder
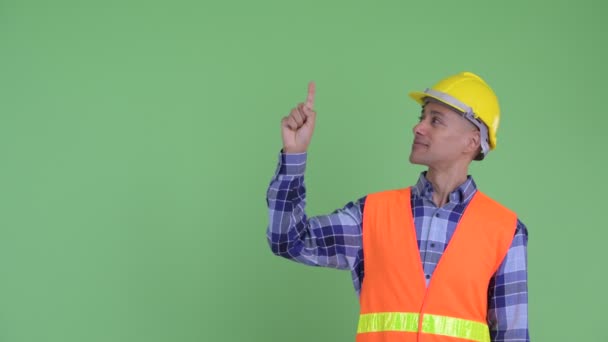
x=389, y=194
x=498, y=207
x=492, y=201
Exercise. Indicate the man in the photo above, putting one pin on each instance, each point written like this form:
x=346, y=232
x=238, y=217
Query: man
x=438, y=261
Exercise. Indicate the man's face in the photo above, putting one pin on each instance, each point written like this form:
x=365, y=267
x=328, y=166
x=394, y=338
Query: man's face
x=442, y=137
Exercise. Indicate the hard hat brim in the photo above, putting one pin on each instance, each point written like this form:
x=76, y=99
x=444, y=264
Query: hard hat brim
x=419, y=97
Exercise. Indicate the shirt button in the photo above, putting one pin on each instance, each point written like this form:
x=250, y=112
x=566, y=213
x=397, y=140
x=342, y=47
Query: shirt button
x=437, y=215
x=432, y=245
x=428, y=276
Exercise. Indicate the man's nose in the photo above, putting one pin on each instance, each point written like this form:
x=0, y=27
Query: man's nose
x=419, y=128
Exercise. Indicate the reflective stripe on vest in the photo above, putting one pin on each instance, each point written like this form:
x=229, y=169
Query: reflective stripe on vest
x=431, y=324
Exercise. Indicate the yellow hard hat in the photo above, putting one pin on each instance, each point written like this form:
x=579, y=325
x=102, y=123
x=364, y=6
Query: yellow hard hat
x=473, y=97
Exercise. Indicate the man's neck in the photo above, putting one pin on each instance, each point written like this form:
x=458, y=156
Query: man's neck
x=444, y=182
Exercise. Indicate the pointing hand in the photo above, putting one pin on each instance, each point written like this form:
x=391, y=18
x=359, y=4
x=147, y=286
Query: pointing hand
x=297, y=128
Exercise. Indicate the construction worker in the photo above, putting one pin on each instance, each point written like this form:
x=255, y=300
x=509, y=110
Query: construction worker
x=437, y=261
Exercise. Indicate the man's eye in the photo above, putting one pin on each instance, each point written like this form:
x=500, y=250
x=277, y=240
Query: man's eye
x=435, y=121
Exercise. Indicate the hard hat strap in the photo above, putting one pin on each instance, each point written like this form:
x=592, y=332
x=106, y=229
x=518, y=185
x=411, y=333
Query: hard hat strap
x=468, y=114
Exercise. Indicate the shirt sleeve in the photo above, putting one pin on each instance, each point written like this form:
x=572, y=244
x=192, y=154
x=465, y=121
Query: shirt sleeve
x=508, y=293
x=332, y=240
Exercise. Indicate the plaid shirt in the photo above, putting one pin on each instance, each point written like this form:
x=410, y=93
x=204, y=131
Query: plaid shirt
x=335, y=240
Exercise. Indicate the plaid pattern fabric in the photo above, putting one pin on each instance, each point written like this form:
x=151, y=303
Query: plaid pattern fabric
x=335, y=240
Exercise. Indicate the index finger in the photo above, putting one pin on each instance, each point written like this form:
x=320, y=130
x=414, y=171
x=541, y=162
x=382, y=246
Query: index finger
x=310, y=99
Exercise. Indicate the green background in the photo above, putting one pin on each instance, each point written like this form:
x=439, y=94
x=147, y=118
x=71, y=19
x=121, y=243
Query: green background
x=137, y=140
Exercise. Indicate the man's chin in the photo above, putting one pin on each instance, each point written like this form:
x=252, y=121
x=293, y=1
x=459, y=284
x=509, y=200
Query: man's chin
x=416, y=161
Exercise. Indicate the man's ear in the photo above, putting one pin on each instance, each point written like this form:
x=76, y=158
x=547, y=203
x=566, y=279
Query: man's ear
x=474, y=142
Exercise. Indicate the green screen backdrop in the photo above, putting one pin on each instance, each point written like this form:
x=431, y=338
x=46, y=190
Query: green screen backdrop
x=137, y=140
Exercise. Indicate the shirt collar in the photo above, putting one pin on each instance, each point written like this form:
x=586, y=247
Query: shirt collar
x=462, y=194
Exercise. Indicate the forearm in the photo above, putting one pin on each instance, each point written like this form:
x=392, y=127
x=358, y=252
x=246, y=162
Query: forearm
x=326, y=240
x=286, y=199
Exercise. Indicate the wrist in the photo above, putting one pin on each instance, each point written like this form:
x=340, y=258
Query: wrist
x=287, y=150
x=292, y=164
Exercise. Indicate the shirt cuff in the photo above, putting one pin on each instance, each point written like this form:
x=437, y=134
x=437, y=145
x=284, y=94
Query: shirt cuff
x=292, y=164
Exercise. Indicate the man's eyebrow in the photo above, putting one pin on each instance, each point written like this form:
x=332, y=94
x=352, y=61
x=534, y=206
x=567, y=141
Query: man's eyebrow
x=434, y=112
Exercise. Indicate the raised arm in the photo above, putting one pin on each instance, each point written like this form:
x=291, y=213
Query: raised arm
x=332, y=240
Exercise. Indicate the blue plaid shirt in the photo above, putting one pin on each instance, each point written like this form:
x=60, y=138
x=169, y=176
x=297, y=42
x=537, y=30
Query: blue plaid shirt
x=335, y=240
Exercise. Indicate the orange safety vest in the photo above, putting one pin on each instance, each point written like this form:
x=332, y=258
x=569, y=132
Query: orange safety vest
x=396, y=304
